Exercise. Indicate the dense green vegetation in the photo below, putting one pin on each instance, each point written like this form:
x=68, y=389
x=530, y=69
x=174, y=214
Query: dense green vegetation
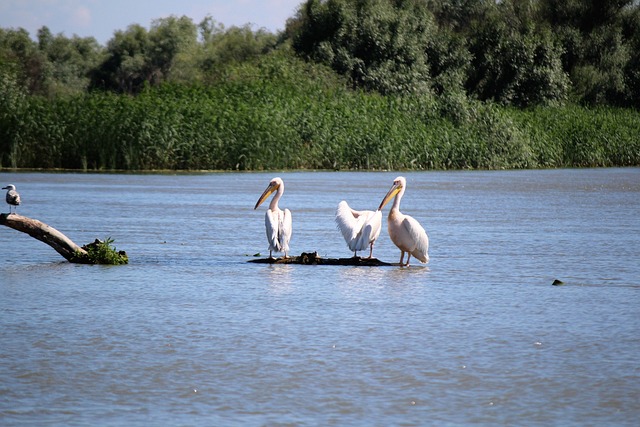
x=367, y=84
x=101, y=252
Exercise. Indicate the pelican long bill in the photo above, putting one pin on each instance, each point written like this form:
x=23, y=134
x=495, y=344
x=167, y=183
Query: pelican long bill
x=395, y=189
x=266, y=193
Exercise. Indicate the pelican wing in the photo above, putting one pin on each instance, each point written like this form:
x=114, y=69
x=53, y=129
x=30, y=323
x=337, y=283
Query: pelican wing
x=286, y=227
x=349, y=223
x=419, y=237
x=370, y=230
x=359, y=228
x=279, y=226
x=271, y=222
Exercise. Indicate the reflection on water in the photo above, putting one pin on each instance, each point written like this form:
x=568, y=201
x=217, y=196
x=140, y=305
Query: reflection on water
x=280, y=278
x=190, y=333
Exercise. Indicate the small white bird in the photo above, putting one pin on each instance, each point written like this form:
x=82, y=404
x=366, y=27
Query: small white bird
x=12, y=198
x=405, y=232
x=277, y=221
x=359, y=228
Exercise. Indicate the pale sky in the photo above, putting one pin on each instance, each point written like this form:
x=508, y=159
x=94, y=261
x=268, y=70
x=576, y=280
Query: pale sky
x=100, y=18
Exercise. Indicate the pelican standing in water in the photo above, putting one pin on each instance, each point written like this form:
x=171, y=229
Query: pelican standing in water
x=12, y=198
x=277, y=221
x=405, y=232
x=359, y=228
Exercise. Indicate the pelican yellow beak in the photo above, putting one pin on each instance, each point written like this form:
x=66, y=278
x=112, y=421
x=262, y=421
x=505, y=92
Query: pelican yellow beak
x=267, y=192
x=395, y=189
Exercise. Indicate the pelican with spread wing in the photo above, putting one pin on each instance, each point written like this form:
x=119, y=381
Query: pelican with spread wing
x=277, y=221
x=360, y=229
x=405, y=232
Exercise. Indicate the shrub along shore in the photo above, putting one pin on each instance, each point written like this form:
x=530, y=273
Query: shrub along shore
x=271, y=116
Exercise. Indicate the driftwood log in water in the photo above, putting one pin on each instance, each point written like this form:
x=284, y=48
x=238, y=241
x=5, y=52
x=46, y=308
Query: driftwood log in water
x=312, y=258
x=49, y=235
x=97, y=252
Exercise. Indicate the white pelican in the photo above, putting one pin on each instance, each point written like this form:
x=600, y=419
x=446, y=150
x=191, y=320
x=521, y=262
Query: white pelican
x=405, y=232
x=359, y=228
x=12, y=198
x=277, y=221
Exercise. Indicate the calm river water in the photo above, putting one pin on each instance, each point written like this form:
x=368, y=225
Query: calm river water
x=189, y=333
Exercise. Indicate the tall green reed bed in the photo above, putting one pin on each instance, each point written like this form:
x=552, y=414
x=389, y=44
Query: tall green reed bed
x=575, y=136
x=288, y=122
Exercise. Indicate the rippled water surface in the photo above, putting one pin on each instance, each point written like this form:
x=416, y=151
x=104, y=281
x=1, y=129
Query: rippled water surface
x=189, y=333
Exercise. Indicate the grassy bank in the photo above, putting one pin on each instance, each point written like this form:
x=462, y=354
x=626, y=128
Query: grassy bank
x=275, y=117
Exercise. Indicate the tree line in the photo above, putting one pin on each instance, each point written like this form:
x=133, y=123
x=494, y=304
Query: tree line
x=514, y=52
x=473, y=83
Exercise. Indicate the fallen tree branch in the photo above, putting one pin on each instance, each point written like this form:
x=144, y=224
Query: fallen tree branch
x=58, y=241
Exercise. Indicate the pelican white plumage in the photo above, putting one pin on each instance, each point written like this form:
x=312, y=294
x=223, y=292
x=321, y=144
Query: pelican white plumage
x=359, y=228
x=12, y=197
x=405, y=232
x=277, y=221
